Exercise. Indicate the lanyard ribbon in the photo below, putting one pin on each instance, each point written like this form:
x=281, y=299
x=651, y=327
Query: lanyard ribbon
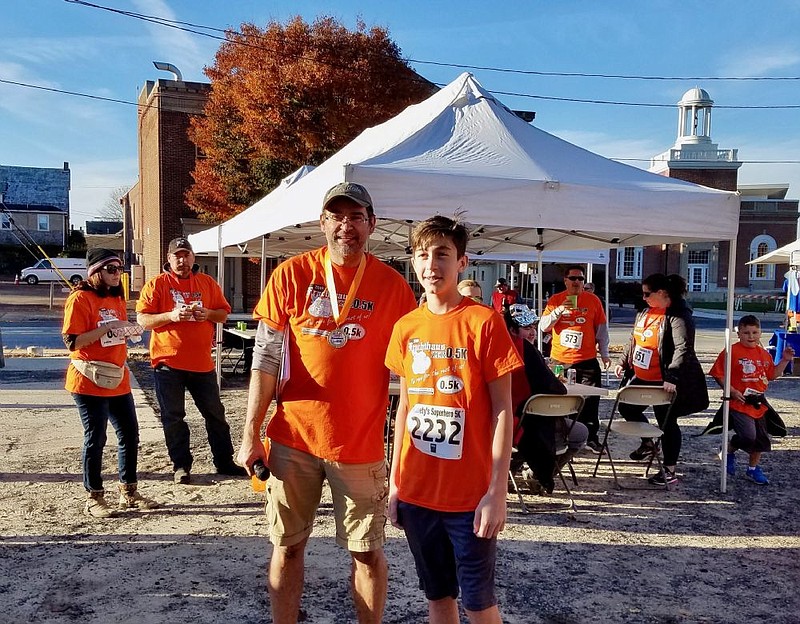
x=340, y=315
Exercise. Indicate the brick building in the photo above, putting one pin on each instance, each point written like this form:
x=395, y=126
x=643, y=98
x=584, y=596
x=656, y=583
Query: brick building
x=155, y=209
x=767, y=219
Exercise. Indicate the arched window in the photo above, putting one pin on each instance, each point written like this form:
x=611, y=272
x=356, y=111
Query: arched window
x=759, y=246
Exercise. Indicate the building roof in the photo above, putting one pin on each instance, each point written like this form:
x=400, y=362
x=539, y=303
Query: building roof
x=763, y=191
x=35, y=186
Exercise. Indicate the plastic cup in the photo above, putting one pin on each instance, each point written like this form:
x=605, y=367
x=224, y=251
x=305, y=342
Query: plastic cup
x=573, y=299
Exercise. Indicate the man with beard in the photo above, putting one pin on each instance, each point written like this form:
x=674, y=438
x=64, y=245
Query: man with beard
x=325, y=319
x=182, y=306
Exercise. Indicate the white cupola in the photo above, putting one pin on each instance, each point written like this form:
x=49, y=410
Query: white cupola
x=694, y=117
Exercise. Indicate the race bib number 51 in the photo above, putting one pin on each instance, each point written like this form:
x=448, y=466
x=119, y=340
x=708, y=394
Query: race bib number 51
x=437, y=431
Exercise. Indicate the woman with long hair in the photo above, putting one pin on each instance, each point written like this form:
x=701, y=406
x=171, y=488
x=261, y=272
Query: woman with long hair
x=661, y=353
x=95, y=331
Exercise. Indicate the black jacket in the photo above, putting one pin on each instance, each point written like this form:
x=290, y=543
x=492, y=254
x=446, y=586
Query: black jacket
x=538, y=443
x=679, y=363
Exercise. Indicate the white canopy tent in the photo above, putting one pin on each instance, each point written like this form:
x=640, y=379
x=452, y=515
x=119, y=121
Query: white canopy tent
x=519, y=187
x=462, y=150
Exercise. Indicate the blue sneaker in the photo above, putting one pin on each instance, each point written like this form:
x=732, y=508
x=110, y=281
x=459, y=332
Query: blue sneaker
x=731, y=467
x=756, y=476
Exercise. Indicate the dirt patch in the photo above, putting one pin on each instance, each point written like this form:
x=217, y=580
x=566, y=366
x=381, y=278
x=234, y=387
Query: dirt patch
x=688, y=555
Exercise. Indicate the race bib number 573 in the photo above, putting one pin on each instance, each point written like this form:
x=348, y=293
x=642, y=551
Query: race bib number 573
x=437, y=431
x=571, y=339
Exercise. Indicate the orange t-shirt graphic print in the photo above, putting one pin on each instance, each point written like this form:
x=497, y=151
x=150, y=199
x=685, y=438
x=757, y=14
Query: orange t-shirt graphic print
x=334, y=404
x=448, y=360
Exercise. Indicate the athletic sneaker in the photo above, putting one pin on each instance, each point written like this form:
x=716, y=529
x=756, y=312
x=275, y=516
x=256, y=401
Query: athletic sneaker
x=645, y=451
x=756, y=476
x=182, y=476
x=663, y=477
x=731, y=467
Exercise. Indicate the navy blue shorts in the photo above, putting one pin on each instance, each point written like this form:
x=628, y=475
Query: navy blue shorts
x=449, y=555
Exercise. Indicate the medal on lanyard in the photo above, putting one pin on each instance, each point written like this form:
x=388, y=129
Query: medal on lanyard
x=337, y=338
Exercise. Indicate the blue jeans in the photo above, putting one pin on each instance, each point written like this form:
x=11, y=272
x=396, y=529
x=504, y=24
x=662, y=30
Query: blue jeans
x=171, y=386
x=95, y=412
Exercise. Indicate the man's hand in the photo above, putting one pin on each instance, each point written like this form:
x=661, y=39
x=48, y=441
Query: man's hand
x=250, y=450
x=737, y=396
x=618, y=370
x=670, y=387
x=199, y=313
x=490, y=515
x=606, y=363
x=180, y=313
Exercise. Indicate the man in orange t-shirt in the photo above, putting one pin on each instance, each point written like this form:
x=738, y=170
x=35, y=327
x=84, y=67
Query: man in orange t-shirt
x=578, y=323
x=325, y=319
x=182, y=306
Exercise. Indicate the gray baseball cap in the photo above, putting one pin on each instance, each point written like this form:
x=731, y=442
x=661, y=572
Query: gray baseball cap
x=350, y=190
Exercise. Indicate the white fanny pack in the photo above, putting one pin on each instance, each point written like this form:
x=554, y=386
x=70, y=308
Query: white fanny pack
x=102, y=374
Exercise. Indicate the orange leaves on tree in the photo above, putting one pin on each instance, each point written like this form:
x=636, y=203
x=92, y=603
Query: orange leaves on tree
x=289, y=95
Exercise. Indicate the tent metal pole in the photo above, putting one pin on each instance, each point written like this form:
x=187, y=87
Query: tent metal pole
x=221, y=281
x=263, y=272
x=607, y=298
x=539, y=301
x=726, y=404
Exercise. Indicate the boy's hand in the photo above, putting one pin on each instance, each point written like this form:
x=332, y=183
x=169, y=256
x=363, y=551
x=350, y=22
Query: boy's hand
x=490, y=515
x=736, y=395
x=788, y=354
x=392, y=508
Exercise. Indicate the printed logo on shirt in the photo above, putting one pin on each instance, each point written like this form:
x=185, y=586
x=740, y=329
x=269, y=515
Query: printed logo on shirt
x=321, y=303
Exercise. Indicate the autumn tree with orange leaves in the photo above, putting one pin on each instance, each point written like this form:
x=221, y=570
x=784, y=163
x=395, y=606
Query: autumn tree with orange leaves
x=287, y=96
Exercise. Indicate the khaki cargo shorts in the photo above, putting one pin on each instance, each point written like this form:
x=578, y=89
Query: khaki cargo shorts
x=294, y=490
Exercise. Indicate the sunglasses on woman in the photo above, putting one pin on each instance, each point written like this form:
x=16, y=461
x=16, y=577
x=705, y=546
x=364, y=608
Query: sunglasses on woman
x=113, y=269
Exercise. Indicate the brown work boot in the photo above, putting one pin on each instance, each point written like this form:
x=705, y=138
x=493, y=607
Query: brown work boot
x=97, y=507
x=129, y=498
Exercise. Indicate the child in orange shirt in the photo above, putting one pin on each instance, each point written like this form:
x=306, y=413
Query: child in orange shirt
x=448, y=483
x=751, y=370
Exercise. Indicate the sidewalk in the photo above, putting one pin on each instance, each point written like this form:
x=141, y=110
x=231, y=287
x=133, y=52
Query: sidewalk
x=37, y=384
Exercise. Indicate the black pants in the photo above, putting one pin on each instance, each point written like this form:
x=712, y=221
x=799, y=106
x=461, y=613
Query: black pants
x=671, y=440
x=587, y=373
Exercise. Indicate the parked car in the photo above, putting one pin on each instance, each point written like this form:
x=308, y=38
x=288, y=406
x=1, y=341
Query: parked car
x=74, y=269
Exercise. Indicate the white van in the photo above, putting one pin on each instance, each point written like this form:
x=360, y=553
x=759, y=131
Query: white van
x=74, y=269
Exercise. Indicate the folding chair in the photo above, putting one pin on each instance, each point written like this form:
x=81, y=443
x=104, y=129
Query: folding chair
x=643, y=396
x=550, y=406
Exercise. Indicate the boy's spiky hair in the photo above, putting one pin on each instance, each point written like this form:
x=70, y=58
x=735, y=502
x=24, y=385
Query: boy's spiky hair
x=438, y=227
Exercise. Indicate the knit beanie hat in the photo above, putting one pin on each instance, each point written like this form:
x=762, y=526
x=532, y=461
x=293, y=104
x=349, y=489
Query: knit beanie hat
x=97, y=258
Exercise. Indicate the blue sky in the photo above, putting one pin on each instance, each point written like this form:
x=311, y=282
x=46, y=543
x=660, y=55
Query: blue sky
x=60, y=45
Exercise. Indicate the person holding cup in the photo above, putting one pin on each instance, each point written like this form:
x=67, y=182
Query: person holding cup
x=579, y=328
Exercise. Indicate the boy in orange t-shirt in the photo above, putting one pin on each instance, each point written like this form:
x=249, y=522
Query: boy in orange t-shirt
x=448, y=484
x=751, y=370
